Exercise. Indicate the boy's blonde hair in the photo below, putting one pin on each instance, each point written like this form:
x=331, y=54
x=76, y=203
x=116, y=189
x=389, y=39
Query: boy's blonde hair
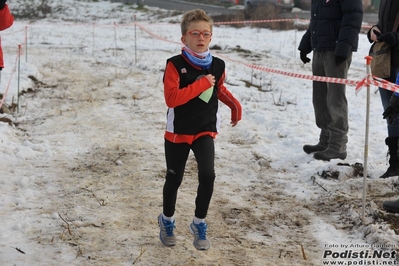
x=194, y=16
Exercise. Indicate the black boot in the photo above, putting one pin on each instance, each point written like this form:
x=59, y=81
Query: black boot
x=391, y=206
x=313, y=148
x=393, y=169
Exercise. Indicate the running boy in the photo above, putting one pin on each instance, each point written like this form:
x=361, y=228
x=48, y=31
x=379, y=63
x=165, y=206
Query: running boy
x=193, y=86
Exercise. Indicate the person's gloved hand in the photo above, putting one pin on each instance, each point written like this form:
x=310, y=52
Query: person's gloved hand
x=304, y=58
x=339, y=60
x=392, y=111
x=2, y=3
x=389, y=37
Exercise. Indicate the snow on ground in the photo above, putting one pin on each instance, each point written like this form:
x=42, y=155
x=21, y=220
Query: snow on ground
x=83, y=162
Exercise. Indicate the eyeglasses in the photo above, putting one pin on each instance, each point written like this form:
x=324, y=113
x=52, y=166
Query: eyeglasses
x=196, y=34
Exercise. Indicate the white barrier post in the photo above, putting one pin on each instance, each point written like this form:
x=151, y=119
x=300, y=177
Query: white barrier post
x=26, y=43
x=19, y=75
x=366, y=139
x=116, y=45
x=93, y=37
x=135, y=40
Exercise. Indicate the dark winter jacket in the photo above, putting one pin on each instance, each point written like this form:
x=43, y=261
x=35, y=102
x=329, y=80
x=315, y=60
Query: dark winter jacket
x=386, y=18
x=334, y=26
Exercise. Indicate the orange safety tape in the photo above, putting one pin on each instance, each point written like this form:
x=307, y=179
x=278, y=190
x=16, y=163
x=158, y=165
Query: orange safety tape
x=369, y=80
x=378, y=82
x=359, y=84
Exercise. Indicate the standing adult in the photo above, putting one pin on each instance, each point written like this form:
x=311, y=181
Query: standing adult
x=6, y=21
x=332, y=35
x=385, y=31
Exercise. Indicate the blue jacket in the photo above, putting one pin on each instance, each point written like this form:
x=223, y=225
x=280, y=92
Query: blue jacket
x=334, y=26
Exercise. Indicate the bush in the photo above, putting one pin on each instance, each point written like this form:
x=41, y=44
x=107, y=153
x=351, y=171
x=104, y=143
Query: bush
x=255, y=14
x=32, y=9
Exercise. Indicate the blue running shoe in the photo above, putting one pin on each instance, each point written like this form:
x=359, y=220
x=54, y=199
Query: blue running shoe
x=166, y=231
x=199, y=232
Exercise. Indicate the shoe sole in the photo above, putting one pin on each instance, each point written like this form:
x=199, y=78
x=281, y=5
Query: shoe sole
x=309, y=150
x=388, y=176
x=328, y=159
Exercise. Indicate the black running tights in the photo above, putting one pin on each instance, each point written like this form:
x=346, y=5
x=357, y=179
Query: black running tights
x=176, y=155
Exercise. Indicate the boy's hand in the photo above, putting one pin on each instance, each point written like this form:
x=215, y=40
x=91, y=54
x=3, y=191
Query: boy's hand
x=233, y=123
x=210, y=77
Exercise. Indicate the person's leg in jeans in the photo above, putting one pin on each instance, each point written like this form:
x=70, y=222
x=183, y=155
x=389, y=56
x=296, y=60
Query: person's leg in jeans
x=337, y=103
x=393, y=131
x=319, y=99
x=331, y=106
